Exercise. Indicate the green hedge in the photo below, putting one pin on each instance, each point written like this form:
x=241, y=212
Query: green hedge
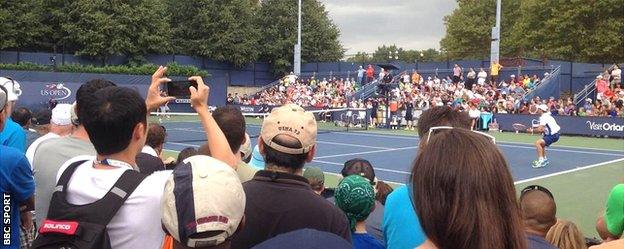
x=174, y=69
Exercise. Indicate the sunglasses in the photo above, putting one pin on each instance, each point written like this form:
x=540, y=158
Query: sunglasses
x=438, y=128
x=538, y=188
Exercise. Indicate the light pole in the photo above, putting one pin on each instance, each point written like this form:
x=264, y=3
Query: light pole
x=297, y=59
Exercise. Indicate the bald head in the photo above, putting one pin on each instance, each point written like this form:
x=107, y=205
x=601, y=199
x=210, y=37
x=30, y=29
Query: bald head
x=539, y=212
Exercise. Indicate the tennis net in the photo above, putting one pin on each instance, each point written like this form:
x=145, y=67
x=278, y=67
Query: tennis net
x=186, y=127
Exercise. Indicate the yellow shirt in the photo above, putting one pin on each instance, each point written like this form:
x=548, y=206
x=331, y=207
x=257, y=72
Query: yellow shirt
x=495, y=68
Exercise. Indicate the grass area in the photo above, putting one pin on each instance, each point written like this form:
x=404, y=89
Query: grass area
x=580, y=195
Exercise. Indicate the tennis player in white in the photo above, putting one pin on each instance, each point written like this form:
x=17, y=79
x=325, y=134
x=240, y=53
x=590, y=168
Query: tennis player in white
x=550, y=128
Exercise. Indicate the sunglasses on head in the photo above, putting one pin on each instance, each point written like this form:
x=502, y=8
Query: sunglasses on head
x=438, y=128
x=533, y=188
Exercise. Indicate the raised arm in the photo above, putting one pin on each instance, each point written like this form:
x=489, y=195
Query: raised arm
x=218, y=144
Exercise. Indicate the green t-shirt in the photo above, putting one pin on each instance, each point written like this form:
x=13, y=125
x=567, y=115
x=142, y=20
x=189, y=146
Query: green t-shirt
x=614, y=215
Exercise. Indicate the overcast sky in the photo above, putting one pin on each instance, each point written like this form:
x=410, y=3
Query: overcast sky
x=411, y=24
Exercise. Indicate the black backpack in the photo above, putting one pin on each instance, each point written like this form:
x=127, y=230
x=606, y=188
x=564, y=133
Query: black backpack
x=71, y=226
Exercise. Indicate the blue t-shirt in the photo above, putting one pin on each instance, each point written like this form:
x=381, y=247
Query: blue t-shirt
x=401, y=225
x=365, y=241
x=537, y=242
x=16, y=185
x=13, y=135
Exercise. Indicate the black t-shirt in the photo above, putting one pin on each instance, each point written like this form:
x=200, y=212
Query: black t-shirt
x=278, y=203
x=149, y=164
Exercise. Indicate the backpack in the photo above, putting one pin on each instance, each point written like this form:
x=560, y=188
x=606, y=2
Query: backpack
x=71, y=226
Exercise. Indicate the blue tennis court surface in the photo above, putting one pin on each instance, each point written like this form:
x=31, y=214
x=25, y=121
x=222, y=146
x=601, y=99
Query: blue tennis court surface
x=392, y=155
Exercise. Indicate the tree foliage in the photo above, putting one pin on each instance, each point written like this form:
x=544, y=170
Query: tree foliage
x=391, y=53
x=278, y=20
x=576, y=30
x=21, y=24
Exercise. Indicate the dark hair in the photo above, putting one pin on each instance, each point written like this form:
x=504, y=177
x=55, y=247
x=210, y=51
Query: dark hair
x=463, y=192
x=186, y=153
x=359, y=166
x=21, y=116
x=383, y=190
x=156, y=135
x=84, y=94
x=442, y=115
x=281, y=159
x=113, y=114
x=232, y=123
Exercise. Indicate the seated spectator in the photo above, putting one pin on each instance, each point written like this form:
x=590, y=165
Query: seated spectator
x=383, y=190
x=539, y=213
x=22, y=117
x=232, y=123
x=53, y=153
x=610, y=226
x=356, y=197
x=305, y=239
x=316, y=178
x=148, y=160
x=279, y=198
x=58, y=124
x=211, y=214
x=401, y=226
x=17, y=181
x=184, y=154
x=479, y=210
x=564, y=234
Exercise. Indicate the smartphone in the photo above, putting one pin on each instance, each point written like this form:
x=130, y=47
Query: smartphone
x=180, y=89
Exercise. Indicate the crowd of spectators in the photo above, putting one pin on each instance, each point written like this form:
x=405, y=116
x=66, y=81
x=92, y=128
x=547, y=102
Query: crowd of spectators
x=101, y=178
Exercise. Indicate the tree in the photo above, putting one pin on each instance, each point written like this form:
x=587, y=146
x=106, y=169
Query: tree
x=469, y=26
x=21, y=24
x=360, y=58
x=220, y=30
x=394, y=53
x=388, y=53
x=278, y=20
x=101, y=28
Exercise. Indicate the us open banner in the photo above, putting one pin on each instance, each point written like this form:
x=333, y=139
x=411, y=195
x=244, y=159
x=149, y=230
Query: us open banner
x=590, y=126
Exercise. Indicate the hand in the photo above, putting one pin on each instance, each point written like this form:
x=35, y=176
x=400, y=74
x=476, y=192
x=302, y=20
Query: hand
x=154, y=99
x=169, y=160
x=199, y=96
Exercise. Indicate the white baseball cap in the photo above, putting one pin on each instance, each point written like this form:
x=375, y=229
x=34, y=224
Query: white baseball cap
x=13, y=88
x=61, y=114
x=202, y=195
x=543, y=107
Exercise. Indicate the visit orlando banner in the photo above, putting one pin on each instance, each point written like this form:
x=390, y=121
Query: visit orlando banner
x=591, y=126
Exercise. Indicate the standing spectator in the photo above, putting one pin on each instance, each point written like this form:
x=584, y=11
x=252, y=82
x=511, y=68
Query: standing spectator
x=12, y=135
x=370, y=73
x=470, y=78
x=610, y=225
x=616, y=76
x=232, y=123
x=457, y=73
x=53, y=153
x=478, y=210
x=539, y=213
x=601, y=87
x=360, y=75
x=401, y=226
x=564, y=234
x=356, y=197
x=23, y=117
x=209, y=189
x=416, y=78
x=148, y=160
x=59, y=126
x=494, y=70
x=17, y=181
x=474, y=114
x=279, y=199
x=316, y=178
x=482, y=76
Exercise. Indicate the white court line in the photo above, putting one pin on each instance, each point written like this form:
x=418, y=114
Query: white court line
x=184, y=144
x=561, y=150
x=569, y=171
x=366, y=152
x=375, y=168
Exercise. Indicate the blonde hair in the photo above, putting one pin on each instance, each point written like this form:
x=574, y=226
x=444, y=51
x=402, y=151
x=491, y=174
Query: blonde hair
x=566, y=235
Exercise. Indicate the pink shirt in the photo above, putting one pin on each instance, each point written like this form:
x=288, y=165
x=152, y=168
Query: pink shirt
x=601, y=86
x=456, y=71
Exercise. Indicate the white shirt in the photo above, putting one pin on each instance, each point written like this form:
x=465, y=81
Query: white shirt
x=474, y=113
x=30, y=152
x=149, y=150
x=137, y=223
x=550, y=125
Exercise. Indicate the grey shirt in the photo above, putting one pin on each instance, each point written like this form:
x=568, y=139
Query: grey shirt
x=49, y=157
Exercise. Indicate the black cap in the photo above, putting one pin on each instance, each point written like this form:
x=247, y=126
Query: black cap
x=42, y=117
x=359, y=166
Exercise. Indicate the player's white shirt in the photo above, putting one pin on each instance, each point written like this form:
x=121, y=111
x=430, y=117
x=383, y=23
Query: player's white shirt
x=550, y=125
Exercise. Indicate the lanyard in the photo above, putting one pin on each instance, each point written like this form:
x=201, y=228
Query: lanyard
x=113, y=163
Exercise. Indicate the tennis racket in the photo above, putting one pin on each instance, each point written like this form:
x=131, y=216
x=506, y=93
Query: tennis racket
x=519, y=127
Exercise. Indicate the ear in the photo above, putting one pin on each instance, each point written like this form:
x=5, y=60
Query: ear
x=139, y=131
x=310, y=154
